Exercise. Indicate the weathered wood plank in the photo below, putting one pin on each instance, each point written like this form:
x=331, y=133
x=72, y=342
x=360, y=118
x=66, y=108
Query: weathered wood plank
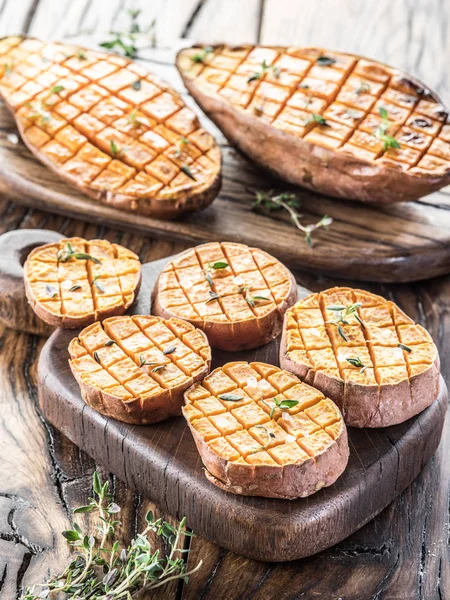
x=232, y=21
x=409, y=35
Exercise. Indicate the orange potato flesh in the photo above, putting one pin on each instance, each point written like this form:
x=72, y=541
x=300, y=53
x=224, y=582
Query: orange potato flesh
x=389, y=349
x=78, y=291
x=109, y=127
x=239, y=306
x=242, y=435
x=136, y=369
x=331, y=100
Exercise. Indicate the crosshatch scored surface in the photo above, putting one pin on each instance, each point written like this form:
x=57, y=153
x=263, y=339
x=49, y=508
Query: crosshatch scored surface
x=91, y=128
x=290, y=84
x=78, y=288
x=245, y=432
x=313, y=339
x=184, y=289
x=110, y=356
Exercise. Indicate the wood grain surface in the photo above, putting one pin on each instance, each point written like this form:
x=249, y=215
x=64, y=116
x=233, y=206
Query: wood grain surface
x=402, y=554
x=401, y=242
x=162, y=462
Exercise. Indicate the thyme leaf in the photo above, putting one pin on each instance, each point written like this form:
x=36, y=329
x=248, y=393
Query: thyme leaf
x=110, y=343
x=262, y=70
x=136, y=85
x=314, y=118
x=212, y=297
x=68, y=252
x=75, y=287
x=356, y=362
x=230, y=398
x=51, y=291
x=405, y=347
x=187, y=171
x=282, y=404
x=326, y=61
x=341, y=313
x=98, y=285
x=381, y=132
x=200, y=57
x=169, y=350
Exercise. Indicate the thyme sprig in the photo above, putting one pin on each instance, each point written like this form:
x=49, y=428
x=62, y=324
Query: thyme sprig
x=68, y=252
x=124, y=42
x=341, y=314
x=103, y=569
x=213, y=266
x=314, y=118
x=289, y=202
x=363, y=88
x=180, y=146
x=249, y=298
x=282, y=404
x=262, y=70
x=381, y=132
x=98, y=284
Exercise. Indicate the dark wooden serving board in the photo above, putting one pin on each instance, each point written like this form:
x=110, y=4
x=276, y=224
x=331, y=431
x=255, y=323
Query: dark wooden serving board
x=162, y=462
x=394, y=243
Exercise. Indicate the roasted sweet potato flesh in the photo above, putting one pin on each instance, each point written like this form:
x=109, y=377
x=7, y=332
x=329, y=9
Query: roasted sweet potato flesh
x=343, y=103
x=76, y=281
x=139, y=362
x=342, y=340
x=109, y=127
x=229, y=290
x=241, y=429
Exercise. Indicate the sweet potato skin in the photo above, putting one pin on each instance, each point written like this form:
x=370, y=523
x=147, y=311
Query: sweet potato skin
x=288, y=482
x=238, y=335
x=368, y=405
x=137, y=411
x=65, y=321
x=311, y=166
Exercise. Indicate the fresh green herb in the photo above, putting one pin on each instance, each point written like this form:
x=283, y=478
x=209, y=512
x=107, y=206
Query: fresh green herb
x=56, y=89
x=39, y=113
x=212, y=297
x=317, y=119
x=98, y=284
x=96, y=356
x=114, y=148
x=200, y=57
x=134, y=119
x=356, y=362
x=381, y=132
x=169, y=350
x=68, y=252
x=268, y=202
x=405, y=347
x=143, y=362
x=341, y=313
x=75, y=287
x=282, y=404
x=363, y=88
x=51, y=291
x=218, y=265
x=158, y=368
x=136, y=85
x=263, y=69
x=103, y=569
x=249, y=298
x=110, y=343
x=325, y=61
x=231, y=397
x=187, y=171
x=80, y=54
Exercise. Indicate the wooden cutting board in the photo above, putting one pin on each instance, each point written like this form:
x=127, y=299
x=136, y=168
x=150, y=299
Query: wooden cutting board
x=394, y=243
x=162, y=462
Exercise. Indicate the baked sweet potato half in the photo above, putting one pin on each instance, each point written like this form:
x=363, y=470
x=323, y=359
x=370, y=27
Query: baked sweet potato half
x=364, y=353
x=75, y=282
x=237, y=295
x=109, y=127
x=136, y=369
x=261, y=432
x=334, y=123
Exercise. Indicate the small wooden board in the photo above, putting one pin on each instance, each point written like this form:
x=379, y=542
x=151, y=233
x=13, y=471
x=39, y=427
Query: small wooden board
x=162, y=462
x=391, y=243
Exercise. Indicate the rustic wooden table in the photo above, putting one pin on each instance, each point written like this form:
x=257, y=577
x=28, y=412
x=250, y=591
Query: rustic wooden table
x=404, y=552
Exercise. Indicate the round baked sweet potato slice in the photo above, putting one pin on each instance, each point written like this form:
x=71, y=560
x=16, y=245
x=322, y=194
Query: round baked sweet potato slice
x=335, y=123
x=237, y=295
x=75, y=282
x=364, y=353
x=260, y=431
x=136, y=369
x=109, y=127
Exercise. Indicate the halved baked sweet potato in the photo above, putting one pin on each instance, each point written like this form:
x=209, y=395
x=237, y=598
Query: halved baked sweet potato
x=109, y=127
x=237, y=295
x=335, y=123
x=364, y=353
x=75, y=282
x=136, y=369
x=261, y=432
